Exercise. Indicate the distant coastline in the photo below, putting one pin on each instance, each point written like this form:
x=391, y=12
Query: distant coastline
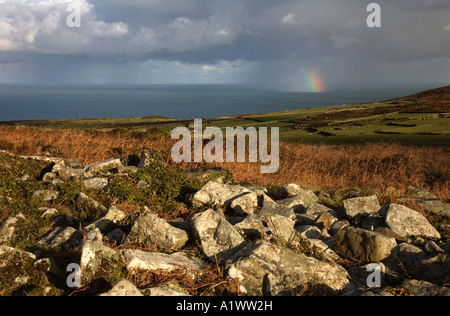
x=27, y=102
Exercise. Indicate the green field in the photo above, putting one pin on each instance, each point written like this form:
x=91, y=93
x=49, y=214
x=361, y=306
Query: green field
x=407, y=121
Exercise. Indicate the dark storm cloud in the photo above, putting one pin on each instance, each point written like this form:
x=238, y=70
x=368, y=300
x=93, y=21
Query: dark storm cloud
x=223, y=41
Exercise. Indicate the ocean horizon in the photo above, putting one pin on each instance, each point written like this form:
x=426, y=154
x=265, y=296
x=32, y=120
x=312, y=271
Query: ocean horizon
x=20, y=103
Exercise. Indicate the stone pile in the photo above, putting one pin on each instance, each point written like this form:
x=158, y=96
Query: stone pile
x=276, y=246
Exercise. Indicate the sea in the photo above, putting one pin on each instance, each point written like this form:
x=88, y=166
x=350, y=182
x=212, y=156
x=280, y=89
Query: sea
x=174, y=101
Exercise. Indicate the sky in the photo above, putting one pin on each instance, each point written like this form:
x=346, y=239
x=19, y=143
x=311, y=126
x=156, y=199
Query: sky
x=298, y=45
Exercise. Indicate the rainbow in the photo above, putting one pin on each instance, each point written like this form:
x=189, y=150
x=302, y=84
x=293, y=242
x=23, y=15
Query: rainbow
x=313, y=82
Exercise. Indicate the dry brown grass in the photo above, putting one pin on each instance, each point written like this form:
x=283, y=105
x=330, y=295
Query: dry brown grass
x=369, y=167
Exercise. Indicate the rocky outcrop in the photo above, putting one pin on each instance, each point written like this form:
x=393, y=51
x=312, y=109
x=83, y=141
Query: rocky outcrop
x=289, y=243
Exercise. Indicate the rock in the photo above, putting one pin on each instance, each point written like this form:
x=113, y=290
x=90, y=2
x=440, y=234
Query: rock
x=407, y=222
x=361, y=205
x=435, y=269
x=61, y=238
x=166, y=290
x=116, y=236
x=49, y=176
x=245, y=204
x=70, y=173
x=108, y=220
x=324, y=221
x=150, y=229
x=123, y=288
x=142, y=260
x=435, y=207
x=361, y=274
x=409, y=254
x=423, y=288
x=218, y=238
x=94, y=235
x=389, y=233
x=8, y=228
x=309, y=231
x=266, y=269
x=96, y=183
x=100, y=262
x=85, y=202
x=297, y=203
x=48, y=265
x=420, y=193
x=108, y=164
x=46, y=195
x=149, y=157
x=251, y=226
x=318, y=209
x=50, y=212
x=218, y=194
x=363, y=245
x=282, y=228
x=16, y=267
x=291, y=190
x=275, y=209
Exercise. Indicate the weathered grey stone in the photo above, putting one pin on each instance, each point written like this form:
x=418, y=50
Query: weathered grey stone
x=49, y=176
x=48, y=265
x=116, y=236
x=435, y=207
x=363, y=245
x=50, y=212
x=245, y=204
x=99, y=261
x=85, y=202
x=106, y=222
x=60, y=237
x=104, y=165
x=218, y=194
x=218, y=238
x=409, y=254
x=282, y=228
x=165, y=291
x=96, y=183
x=16, y=265
x=309, y=231
x=69, y=173
x=318, y=209
x=46, y=195
x=8, y=228
x=292, y=189
x=123, y=288
x=423, y=288
x=267, y=269
x=142, y=260
x=150, y=229
x=435, y=269
x=94, y=235
x=252, y=226
x=407, y=222
x=275, y=209
x=297, y=203
x=361, y=274
x=420, y=193
x=360, y=206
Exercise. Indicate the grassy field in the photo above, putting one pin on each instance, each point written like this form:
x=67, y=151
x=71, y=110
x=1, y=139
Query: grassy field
x=422, y=119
